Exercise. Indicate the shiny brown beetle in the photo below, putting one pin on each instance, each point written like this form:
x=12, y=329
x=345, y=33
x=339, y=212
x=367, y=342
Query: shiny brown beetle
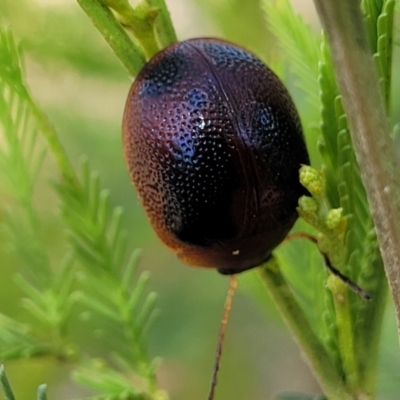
x=214, y=144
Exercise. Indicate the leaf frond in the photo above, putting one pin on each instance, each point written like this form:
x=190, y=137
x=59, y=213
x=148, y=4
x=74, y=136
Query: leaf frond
x=107, y=276
x=299, y=43
x=97, y=253
x=17, y=341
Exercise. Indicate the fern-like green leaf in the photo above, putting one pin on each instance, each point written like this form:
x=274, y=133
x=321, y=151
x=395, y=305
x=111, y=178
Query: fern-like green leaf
x=98, y=252
x=384, y=45
x=17, y=341
x=110, y=289
x=358, y=255
x=112, y=384
x=345, y=189
x=22, y=153
x=299, y=44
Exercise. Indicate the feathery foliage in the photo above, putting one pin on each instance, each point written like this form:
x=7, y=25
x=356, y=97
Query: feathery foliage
x=300, y=46
x=99, y=246
x=22, y=156
x=354, y=332
x=96, y=271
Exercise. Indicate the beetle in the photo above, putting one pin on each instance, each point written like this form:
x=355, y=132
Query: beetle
x=213, y=145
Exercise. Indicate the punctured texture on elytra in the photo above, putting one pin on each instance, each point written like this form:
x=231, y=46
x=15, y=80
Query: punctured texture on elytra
x=214, y=144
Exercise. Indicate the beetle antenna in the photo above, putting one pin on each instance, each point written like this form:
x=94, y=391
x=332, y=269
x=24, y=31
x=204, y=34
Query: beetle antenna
x=221, y=333
x=352, y=285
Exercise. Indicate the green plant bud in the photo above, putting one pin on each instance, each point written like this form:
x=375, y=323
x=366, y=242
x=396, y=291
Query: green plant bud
x=334, y=218
x=308, y=205
x=313, y=180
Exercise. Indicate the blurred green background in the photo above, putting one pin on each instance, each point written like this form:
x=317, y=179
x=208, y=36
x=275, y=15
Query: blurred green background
x=82, y=87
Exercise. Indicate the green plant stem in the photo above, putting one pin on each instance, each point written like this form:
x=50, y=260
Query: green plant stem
x=163, y=25
x=9, y=395
x=343, y=315
x=368, y=330
x=319, y=360
x=140, y=21
x=55, y=146
x=374, y=148
x=345, y=332
x=126, y=50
